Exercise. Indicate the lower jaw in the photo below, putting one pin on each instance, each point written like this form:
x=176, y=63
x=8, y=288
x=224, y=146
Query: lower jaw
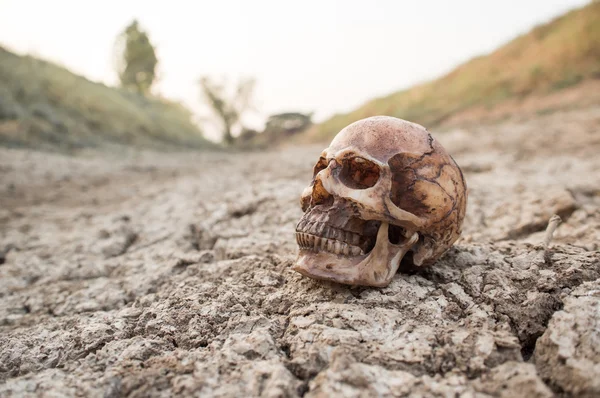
x=329, y=267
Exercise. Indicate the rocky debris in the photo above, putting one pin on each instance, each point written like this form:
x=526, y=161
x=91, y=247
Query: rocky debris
x=4, y=252
x=118, y=242
x=568, y=353
x=511, y=379
x=203, y=302
x=197, y=237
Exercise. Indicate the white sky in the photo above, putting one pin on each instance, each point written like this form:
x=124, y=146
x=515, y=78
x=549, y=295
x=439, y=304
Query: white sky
x=323, y=56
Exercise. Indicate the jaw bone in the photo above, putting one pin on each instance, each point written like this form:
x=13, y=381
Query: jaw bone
x=376, y=268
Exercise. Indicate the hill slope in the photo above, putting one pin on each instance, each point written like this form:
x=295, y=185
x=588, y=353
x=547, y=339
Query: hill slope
x=551, y=57
x=44, y=106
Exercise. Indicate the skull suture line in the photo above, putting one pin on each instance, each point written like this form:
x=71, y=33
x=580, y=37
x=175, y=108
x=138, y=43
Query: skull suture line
x=383, y=190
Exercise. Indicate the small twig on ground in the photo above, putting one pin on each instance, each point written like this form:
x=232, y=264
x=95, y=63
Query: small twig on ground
x=555, y=220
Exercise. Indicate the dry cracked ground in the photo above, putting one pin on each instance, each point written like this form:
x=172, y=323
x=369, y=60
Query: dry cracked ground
x=152, y=275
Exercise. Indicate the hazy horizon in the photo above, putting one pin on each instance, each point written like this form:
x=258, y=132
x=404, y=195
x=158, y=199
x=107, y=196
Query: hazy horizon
x=325, y=57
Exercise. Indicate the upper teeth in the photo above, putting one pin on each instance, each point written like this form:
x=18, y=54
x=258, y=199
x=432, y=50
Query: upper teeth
x=317, y=243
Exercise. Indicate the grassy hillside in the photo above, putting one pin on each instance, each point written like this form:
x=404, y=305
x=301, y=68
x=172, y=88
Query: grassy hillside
x=551, y=57
x=45, y=106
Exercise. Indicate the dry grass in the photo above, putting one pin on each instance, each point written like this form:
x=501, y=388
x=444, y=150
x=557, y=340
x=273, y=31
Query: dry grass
x=551, y=57
x=44, y=106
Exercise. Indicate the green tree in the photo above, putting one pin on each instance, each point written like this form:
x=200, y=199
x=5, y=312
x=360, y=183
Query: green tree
x=136, y=59
x=228, y=109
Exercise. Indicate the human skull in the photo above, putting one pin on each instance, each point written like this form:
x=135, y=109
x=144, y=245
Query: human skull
x=382, y=191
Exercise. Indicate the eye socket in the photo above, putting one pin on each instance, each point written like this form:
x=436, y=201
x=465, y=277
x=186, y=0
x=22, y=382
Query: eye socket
x=321, y=165
x=359, y=173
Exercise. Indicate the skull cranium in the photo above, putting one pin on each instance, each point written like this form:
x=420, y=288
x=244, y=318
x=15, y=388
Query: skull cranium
x=383, y=190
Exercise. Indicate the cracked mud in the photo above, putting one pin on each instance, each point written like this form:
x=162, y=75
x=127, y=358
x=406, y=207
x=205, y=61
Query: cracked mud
x=161, y=275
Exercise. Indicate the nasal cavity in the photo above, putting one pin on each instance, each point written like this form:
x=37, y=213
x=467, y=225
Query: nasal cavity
x=320, y=196
x=359, y=173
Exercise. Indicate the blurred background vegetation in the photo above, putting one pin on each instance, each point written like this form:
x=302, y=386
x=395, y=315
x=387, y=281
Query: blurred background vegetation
x=135, y=59
x=550, y=58
x=45, y=106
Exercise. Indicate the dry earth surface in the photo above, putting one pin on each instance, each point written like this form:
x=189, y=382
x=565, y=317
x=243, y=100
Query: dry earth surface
x=157, y=275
